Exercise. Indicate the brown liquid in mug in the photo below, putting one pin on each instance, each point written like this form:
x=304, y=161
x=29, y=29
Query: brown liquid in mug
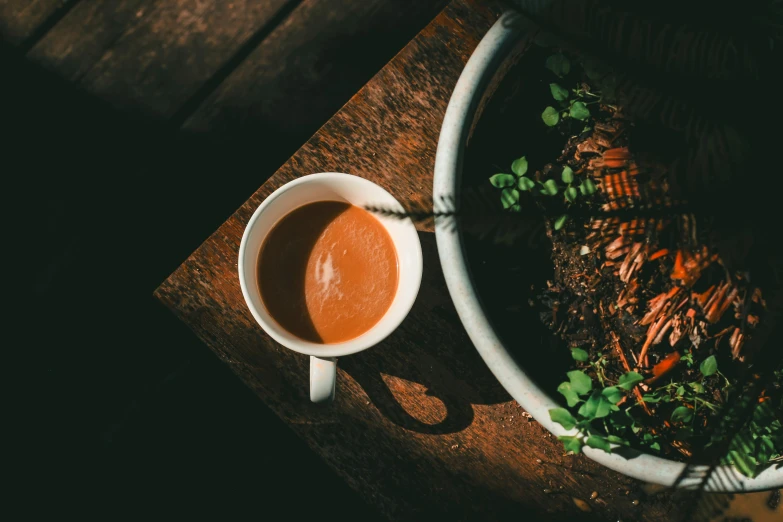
x=328, y=272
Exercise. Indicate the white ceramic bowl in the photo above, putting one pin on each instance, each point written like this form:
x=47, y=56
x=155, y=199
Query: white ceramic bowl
x=487, y=59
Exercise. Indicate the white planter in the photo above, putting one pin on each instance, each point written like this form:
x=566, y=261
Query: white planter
x=472, y=84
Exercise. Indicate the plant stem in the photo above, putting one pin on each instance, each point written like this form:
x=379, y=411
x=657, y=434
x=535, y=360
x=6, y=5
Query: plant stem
x=598, y=373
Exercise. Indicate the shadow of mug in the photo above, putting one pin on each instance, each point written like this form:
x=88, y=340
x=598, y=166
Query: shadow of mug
x=431, y=350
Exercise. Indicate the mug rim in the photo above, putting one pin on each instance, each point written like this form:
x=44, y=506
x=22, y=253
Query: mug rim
x=381, y=329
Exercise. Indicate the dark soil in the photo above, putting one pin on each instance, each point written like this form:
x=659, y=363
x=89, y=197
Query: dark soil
x=507, y=276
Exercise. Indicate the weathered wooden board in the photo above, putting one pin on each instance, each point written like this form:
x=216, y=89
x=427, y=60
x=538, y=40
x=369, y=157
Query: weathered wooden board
x=305, y=59
x=151, y=56
x=303, y=73
x=420, y=427
x=81, y=38
x=19, y=19
x=323, y=45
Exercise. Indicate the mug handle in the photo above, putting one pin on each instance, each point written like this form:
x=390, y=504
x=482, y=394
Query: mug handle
x=323, y=378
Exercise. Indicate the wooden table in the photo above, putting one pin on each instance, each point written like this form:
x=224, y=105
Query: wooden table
x=420, y=427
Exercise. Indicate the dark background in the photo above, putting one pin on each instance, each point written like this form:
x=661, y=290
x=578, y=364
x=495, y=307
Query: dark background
x=116, y=408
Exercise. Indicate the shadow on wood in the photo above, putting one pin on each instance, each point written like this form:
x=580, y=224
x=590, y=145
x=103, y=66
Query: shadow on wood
x=449, y=370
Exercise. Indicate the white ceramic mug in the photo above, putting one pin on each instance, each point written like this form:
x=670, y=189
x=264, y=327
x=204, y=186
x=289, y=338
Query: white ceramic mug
x=330, y=186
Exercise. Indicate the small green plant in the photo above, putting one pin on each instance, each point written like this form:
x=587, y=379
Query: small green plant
x=759, y=443
x=574, y=104
x=691, y=396
x=569, y=190
x=600, y=422
x=511, y=185
x=598, y=418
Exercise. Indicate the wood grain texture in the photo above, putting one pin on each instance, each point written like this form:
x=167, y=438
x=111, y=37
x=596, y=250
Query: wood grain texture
x=81, y=38
x=302, y=74
x=20, y=18
x=420, y=427
x=295, y=72
x=150, y=56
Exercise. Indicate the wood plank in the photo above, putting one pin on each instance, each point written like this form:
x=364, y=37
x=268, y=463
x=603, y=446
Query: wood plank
x=81, y=38
x=420, y=427
x=20, y=18
x=306, y=70
x=298, y=77
x=155, y=63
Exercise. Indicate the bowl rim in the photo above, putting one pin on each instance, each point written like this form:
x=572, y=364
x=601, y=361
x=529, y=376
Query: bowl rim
x=479, y=70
